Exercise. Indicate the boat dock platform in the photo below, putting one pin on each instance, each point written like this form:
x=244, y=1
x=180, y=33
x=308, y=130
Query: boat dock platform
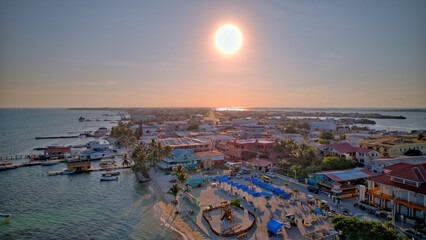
x=57, y=137
x=54, y=173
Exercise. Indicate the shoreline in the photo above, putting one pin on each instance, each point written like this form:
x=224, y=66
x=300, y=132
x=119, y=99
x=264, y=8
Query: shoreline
x=165, y=209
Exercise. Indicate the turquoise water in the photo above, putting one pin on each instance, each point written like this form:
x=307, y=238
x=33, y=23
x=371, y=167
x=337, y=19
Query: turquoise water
x=68, y=207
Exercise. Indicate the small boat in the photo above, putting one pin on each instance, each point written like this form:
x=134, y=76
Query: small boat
x=109, y=178
x=49, y=163
x=110, y=173
x=81, y=119
x=6, y=165
x=53, y=173
x=67, y=172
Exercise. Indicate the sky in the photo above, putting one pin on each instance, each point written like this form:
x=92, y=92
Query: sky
x=103, y=53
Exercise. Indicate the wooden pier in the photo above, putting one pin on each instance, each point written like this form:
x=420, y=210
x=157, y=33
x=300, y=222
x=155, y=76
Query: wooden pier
x=57, y=137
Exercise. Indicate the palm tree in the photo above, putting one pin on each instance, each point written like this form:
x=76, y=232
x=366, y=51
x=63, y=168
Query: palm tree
x=174, y=190
x=126, y=161
x=180, y=173
x=159, y=152
x=286, y=185
x=295, y=169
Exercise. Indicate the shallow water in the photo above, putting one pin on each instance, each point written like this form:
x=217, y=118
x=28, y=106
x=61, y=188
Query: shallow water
x=77, y=206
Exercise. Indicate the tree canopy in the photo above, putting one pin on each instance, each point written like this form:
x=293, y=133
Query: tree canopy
x=355, y=229
x=326, y=136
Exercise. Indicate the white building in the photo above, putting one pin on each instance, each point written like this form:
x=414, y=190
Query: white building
x=96, y=145
x=297, y=138
x=328, y=125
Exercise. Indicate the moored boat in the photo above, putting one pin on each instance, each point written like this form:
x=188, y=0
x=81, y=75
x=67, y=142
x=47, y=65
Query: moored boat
x=109, y=178
x=49, y=163
x=6, y=165
x=110, y=173
x=67, y=172
x=53, y=173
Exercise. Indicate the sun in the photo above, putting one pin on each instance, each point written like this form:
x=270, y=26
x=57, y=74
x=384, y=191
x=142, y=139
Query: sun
x=228, y=39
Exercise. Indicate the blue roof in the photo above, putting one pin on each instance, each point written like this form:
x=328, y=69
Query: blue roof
x=274, y=225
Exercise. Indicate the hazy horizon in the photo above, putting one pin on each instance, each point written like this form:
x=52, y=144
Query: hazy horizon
x=295, y=54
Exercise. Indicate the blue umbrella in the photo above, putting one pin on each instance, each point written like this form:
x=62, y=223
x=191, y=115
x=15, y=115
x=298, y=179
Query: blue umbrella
x=240, y=186
x=256, y=195
x=251, y=192
x=265, y=194
x=227, y=181
x=247, y=179
x=234, y=184
x=245, y=189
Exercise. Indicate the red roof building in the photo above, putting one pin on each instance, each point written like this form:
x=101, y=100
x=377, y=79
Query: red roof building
x=404, y=183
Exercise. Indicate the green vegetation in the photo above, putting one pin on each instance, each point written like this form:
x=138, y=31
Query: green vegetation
x=192, y=127
x=353, y=228
x=336, y=163
x=126, y=137
x=323, y=141
x=174, y=191
x=235, y=202
x=181, y=174
x=327, y=136
x=290, y=130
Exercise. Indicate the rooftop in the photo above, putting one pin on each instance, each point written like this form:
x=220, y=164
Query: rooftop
x=347, y=175
x=182, y=141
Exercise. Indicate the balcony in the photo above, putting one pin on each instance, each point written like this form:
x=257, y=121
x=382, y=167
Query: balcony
x=411, y=204
x=376, y=193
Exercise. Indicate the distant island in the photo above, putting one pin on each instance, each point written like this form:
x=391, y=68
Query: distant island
x=363, y=116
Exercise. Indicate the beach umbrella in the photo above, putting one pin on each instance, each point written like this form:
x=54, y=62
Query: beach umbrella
x=240, y=186
x=234, y=184
x=256, y=195
x=251, y=192
x=245, y=189
x=247, y=179
x=266, y=194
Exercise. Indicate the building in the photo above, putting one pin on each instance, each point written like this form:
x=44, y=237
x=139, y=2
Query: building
x=366, y=156
x=260, y=164
x=339, y=183
x=96, y=145
x=402, y=183
x=328, y=125
x=171, y=126
x=394, y=146
x=211, y=159
x=57, y=151
x=78, y=165
x=252, y=131
x=343, y=150
x=184, y=143
x=377, y=165
x=240, y=122
x=297, y=138
x=184, y=157
x=247, y=149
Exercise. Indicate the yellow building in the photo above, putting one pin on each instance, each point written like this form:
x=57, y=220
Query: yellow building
x=78, y=165
x=394, y=146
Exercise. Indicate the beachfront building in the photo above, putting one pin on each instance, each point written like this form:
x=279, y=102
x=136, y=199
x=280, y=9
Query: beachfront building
x=260, y=164
x=394, y=146
x=211, y=159
x=186, y=157
x=404, y=184
x=57, y=151
x=247, y=149
x=343, y=150
x=339, y=183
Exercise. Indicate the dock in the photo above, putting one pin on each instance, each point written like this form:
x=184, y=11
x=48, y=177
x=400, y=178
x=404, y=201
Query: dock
x=57, y=137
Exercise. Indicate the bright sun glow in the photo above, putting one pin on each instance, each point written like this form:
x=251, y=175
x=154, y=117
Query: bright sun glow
x=228, y=39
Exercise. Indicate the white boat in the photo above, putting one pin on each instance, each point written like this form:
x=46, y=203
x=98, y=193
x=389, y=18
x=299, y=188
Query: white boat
x=67, y=172
x=109, y=178
x=110, y=173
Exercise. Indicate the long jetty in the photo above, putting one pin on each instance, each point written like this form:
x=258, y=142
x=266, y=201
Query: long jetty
x=56, y=137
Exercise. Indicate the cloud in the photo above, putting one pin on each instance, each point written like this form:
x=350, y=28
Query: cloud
x=98, y=83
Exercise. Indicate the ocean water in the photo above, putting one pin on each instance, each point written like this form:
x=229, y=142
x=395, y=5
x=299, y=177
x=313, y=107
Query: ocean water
x=416, y=120
x=69, y=207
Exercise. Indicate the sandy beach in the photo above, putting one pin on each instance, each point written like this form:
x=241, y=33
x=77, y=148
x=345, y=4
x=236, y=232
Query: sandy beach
x=166, y=211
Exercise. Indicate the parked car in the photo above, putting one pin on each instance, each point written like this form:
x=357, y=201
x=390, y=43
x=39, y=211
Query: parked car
x=313, y=189
x=413, y=234
x=266, y=179
x=346, y=212
x=384, y=214
x=238, y=176
x=271, y=175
